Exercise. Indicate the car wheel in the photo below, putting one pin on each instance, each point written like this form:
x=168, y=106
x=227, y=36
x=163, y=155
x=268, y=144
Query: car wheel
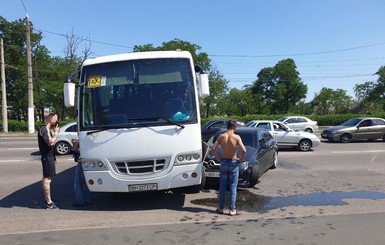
x=254, y=176
x=383, y=138
x=62, y=148
x=304, y=145
x=309, y=130
x=275, y=160
x=346, y=138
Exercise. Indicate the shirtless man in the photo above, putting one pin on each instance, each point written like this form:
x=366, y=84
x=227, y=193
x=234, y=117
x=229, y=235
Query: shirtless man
x=229, y=169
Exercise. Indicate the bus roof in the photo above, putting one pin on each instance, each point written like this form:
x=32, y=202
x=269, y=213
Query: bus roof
x=138, y=55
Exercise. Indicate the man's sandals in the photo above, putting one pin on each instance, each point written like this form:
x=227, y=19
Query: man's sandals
x=219, y=211
x=231, y=212
x=234, y=212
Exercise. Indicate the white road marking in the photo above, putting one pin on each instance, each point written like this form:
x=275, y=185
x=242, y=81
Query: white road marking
x=13, y=149
x=357, y=152
x=13, y=160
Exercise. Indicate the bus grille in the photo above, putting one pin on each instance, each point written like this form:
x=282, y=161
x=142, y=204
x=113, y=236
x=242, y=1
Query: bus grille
x=141, y=167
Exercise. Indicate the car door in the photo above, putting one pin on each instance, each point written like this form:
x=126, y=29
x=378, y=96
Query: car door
x=284, y=136
x=378, y=128
x=293, y=123
x=274, y=131
x=72, y=132
x=265, y=155
x=365, y=130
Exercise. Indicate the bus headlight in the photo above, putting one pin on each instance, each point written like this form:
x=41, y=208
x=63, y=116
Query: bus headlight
x=187, y=158
x=93, y=165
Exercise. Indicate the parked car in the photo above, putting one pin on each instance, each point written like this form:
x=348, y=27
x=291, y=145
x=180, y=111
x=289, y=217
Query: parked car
x=286, y=137
x=300, y=123
x=360, y=128
x=63, y=143
x=261, y=155
x=211, y=127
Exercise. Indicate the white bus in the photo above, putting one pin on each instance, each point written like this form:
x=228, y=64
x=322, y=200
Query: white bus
x=139, y=121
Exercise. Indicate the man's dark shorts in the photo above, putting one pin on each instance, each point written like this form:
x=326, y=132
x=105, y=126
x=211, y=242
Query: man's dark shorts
x=49, y=168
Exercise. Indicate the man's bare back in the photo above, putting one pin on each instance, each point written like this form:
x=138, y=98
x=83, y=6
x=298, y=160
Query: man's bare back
x=229, y=142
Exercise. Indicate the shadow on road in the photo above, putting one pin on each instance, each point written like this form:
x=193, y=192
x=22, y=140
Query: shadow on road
x=31, y=196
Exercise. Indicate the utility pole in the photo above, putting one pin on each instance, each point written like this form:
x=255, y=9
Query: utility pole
x=4, y=113
x=31, y=109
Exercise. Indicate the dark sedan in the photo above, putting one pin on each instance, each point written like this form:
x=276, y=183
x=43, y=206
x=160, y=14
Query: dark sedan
x=262, y=154
x=211, y=127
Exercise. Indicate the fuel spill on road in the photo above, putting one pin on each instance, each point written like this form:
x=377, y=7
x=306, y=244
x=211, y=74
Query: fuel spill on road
x=251, y=202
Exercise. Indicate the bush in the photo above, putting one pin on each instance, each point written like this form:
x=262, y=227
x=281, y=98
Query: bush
x=22, y=126
x=15, y=126
x=323, y=120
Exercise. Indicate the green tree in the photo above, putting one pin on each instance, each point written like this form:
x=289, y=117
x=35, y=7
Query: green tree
x=371, y=95
x=280, y=86
x=16, y=64
x=261, y=90
x=364, y=103
x=331, y=101
x=200, y=58
x=303, y=108
x=214, y=104
x=288, y=89
x=322, y=101
x=238, y=102
x=341, y=101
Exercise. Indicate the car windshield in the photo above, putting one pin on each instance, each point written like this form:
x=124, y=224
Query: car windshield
x=352, y=122
x=249, y=124
x=282, y=119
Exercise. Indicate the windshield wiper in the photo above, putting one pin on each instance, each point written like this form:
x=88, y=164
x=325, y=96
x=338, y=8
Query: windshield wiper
x=157, y=118
x=172, y=122
x=104, y=129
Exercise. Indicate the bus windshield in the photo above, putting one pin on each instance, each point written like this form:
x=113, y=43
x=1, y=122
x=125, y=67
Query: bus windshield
x=137, y=93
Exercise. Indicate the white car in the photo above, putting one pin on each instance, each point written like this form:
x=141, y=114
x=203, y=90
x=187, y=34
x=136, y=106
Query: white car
x=287, y=137
x=63, y=143
x=300, y=123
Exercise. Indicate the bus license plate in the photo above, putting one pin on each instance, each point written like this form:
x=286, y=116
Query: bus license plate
x=212, y=174
x=143, y=187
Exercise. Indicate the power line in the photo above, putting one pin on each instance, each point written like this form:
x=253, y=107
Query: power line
x=299, y=54
x=88, y=40
x=233, y=55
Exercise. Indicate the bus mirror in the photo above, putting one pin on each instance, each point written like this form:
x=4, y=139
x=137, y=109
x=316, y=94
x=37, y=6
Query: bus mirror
x=69, y=94
x=204, y=89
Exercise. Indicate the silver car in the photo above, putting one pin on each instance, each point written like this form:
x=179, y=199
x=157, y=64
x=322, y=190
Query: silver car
x=286, y=137
x=300, y=123
x=360, y=128
x=63, y=143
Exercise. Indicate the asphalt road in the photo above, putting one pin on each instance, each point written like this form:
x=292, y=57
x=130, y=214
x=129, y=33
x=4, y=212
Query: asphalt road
x=334, y=194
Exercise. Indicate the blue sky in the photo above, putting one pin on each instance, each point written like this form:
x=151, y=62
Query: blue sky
x=334, y=43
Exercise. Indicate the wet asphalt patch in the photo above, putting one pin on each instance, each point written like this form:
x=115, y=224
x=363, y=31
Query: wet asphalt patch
x=251, y=202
